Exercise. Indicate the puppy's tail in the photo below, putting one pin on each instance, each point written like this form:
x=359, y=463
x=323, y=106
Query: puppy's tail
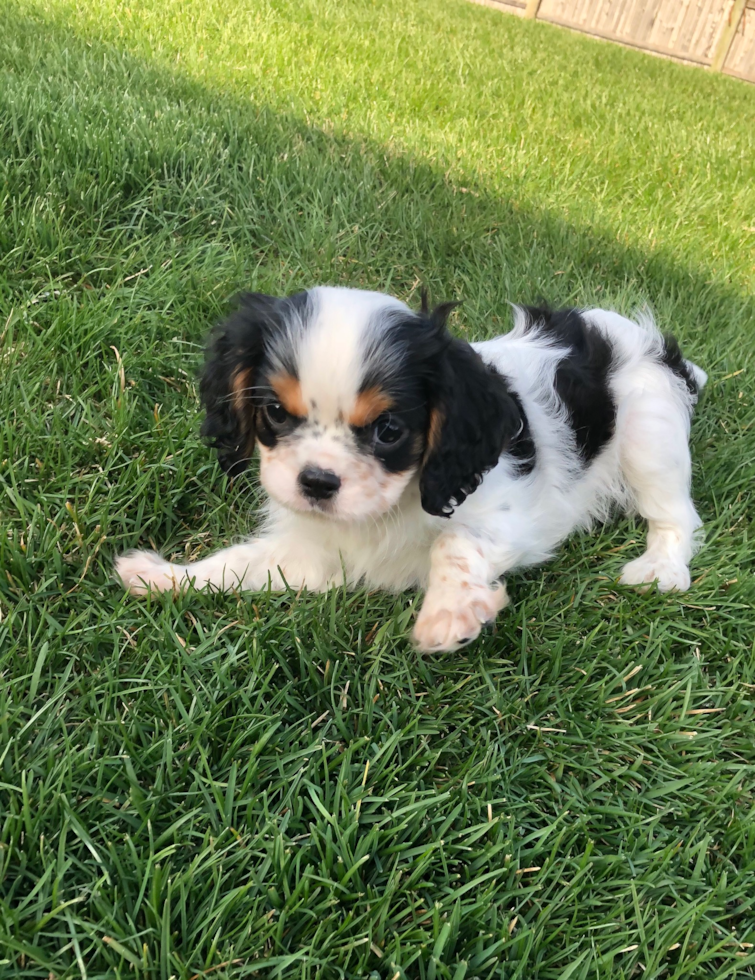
x=701, y=378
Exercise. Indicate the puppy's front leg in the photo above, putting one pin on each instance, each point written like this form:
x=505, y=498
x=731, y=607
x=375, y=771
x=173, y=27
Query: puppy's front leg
x=460, y=597
x=250, y=566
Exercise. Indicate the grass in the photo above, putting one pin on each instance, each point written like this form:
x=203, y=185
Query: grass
x=279, y=785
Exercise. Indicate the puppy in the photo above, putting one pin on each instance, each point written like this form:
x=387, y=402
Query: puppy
x=398, y=456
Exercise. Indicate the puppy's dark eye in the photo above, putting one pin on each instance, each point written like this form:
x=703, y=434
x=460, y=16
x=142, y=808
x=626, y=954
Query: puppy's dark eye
x=386, y=431
x=276, y=413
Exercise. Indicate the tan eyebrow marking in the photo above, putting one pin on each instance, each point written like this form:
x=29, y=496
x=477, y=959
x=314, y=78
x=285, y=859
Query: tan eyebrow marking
x=288, y=390
x=368, y=406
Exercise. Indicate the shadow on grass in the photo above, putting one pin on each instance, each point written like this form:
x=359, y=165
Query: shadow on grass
x=143, y=153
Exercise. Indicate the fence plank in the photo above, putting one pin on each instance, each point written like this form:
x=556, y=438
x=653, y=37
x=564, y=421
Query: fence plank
x=735, y=15
x=741, y=58
x=719, y=34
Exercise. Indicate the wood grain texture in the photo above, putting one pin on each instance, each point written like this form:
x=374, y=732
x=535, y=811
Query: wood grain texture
x=719, y=34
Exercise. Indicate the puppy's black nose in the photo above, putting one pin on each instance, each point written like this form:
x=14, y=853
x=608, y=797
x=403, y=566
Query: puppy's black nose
x=319, y=484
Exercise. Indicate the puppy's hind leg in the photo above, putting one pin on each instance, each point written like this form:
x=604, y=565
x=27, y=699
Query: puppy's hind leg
x=653, y=432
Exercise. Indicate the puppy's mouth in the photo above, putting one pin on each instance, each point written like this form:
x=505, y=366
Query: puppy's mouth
x=325, y=507
x=299, y=503
x=332, y=511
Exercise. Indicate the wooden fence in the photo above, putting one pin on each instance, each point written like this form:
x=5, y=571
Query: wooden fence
x=719, y=34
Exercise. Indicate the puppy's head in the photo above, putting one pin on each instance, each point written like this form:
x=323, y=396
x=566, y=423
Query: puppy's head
x=351, y=395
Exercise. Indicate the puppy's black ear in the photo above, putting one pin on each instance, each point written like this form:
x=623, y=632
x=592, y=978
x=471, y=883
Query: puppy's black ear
x=227, y=386
x=474, y=418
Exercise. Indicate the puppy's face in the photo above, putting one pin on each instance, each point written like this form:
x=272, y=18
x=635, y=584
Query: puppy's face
x=349, y=394
x=340, y=421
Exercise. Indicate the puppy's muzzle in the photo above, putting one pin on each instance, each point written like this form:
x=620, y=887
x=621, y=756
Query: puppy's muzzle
x=317, y=484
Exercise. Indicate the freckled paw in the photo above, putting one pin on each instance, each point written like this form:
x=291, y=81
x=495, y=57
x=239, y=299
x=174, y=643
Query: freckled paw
x=450, y=619
x=142, y=572
x=669, y=575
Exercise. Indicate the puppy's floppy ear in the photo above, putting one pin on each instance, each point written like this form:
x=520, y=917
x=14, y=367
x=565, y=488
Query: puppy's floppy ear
x=227, y=386
x=473, y=419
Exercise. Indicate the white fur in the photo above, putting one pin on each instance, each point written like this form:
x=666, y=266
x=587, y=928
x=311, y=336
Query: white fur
x=333, y=348
x=510, y=521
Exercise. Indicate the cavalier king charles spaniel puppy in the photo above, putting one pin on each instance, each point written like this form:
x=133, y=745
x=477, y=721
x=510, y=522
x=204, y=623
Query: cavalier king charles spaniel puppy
x=398, y=456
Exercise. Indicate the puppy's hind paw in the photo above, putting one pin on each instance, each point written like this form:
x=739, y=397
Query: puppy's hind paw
x=142, y=572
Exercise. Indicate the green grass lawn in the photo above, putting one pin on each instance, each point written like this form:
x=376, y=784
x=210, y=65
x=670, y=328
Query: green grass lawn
x=279, y=786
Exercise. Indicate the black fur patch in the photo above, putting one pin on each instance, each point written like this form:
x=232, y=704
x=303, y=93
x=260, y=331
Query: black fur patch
x=467, y=414
x=237, y=350
x=522, y=446
x=673, y=359
x=582, y=377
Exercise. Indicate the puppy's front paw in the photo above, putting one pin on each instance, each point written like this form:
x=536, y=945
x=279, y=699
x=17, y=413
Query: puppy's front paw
x=450, y=617
x=670, y=576
x=145, y=571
